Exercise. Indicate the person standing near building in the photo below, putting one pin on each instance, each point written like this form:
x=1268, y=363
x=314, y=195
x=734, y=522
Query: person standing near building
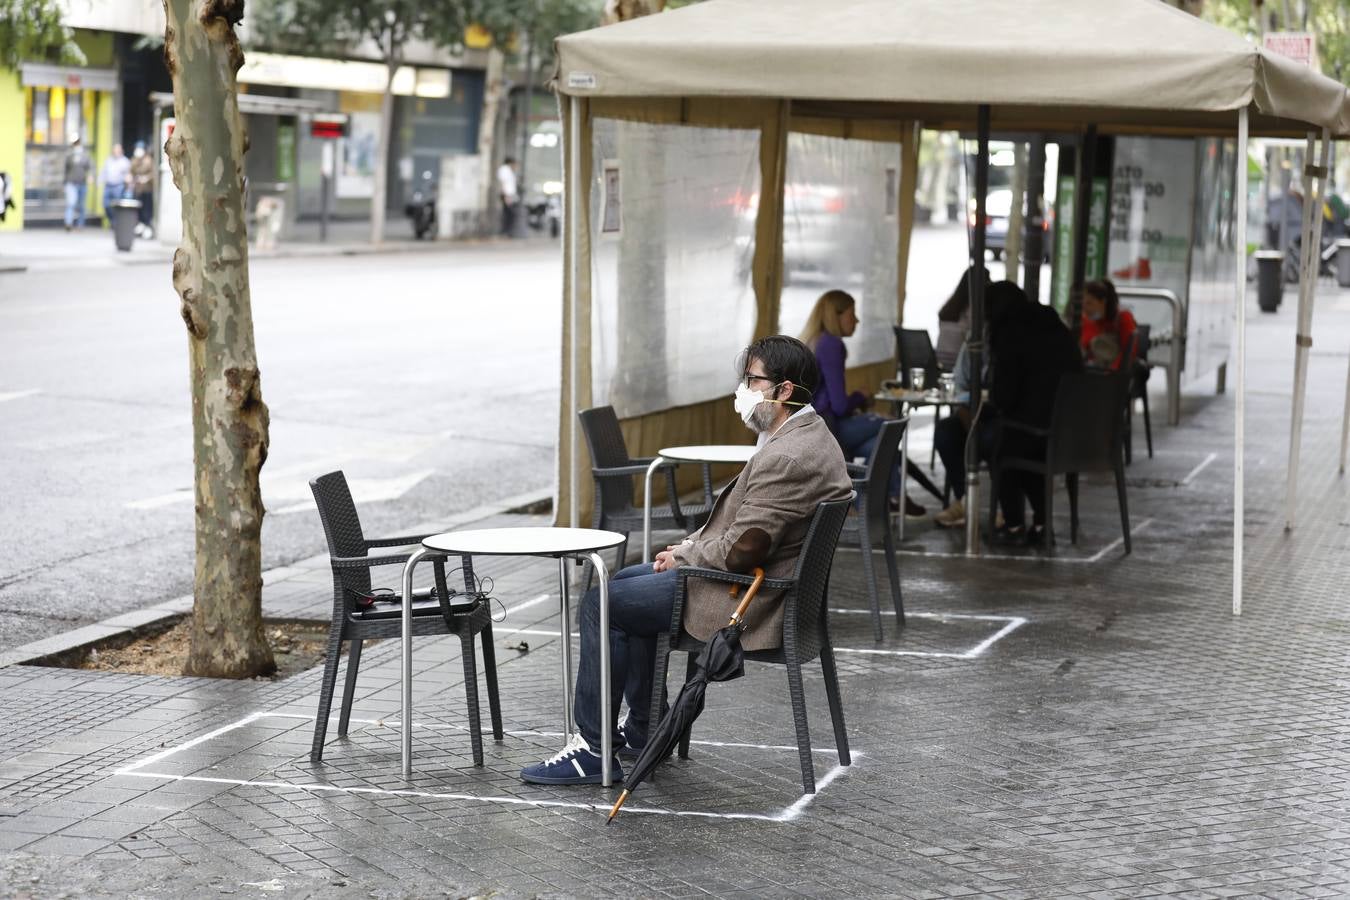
x=116, y=174
x=509, y=192
x=78, y=166
x=143, y=187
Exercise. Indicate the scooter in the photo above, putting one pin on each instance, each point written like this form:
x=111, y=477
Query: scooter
x=421, y=208
x=545, y=212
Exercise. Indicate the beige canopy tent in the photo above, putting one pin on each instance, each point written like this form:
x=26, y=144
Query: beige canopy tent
x=878, y=70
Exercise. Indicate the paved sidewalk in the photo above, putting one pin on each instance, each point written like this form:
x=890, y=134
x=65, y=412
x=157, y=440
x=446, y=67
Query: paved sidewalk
x=1092, y=725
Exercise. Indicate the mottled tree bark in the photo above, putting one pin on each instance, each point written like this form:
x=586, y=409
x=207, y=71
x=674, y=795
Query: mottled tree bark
x=493, y=87
x=210, y=273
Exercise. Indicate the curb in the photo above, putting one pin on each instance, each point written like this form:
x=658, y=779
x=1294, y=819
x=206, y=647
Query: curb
x=128, y=623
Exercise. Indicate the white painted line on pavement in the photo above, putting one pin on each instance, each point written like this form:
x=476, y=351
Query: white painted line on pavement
x=787, y=814
x=1200, y=468
x=1036, y=558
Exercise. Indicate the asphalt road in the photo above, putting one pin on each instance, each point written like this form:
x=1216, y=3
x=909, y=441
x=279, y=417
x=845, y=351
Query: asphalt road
x=431, y=378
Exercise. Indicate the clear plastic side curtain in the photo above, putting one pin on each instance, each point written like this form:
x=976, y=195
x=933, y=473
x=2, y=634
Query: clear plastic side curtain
x=841, y=228
x=672, y=229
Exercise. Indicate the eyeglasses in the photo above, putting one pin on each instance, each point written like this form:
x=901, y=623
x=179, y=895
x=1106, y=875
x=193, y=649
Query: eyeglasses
x=747, y=378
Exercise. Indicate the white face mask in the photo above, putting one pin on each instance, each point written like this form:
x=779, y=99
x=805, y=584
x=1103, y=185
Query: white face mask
x=747, y=401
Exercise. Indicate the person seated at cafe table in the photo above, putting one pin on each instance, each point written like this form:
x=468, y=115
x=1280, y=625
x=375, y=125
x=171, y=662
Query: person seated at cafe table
x=759, y=520
x=1107, y=335
x=833, y=318
x=950, y=434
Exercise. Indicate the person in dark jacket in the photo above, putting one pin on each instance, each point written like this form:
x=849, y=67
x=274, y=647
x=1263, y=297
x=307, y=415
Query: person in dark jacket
x=1031, y=349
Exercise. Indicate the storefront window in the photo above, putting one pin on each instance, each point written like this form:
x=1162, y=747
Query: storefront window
x=53, y=115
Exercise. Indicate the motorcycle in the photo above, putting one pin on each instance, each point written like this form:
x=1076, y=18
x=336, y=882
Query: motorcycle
x=546, y=212
x=421, y=207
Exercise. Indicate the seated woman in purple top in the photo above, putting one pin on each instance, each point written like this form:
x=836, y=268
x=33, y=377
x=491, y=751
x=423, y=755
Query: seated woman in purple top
x=833, y=318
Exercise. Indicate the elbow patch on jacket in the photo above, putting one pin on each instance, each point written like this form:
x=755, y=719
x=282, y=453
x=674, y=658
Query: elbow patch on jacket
x=751, y=549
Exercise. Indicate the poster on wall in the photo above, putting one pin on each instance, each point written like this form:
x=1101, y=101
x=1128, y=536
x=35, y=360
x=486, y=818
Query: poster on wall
x=356, y=159
x=1153, y=197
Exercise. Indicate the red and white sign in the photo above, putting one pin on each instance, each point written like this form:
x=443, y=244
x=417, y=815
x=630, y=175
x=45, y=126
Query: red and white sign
x=1300, y=46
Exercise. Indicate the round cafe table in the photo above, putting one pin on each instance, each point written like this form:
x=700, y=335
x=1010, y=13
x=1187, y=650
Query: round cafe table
x=702, y=453
x=901, y=399
x=559, y=543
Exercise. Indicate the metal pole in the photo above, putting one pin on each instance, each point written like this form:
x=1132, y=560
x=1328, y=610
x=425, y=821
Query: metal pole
x=1081, y=225
x=1345, y=420
x=975, y=340
x=406, y=708
x=565, y=632
x=606, y=701
x=1314, y=177
x=574, y=197
x=1034, y=245
x=1240, y=373
x=647, y=509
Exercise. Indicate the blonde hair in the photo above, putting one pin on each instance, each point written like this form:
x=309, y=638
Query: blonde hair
x=824, y=318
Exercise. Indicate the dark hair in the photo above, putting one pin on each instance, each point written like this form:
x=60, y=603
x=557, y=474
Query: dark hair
x=784, y=359
x=508, y=161
x=959, y=302
x=1105, y=291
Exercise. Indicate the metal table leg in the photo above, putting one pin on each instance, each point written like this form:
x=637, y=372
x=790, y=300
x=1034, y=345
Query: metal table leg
x=406, y=710
x=647, y=510
x=606, y=707
x=565, y=611
x=904, y=476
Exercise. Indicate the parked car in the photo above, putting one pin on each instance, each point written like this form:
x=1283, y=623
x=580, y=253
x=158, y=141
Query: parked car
x=997, y=213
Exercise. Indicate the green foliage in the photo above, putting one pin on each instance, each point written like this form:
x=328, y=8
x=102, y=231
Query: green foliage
x=32, y=30
x=545, y=20
x=1328, y=19
x=337, y=26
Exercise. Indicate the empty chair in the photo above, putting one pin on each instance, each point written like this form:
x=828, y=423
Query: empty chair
x=1139, y=373
x=806, y=633
x=434, y=612
x=873, y=522
x=615, y=473
x=1085, y=435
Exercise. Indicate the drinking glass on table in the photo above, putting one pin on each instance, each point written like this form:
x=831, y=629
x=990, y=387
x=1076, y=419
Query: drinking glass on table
x=947, y=384
x=917, y=379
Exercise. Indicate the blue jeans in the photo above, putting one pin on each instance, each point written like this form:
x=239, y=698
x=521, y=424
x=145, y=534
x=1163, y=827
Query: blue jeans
x=111, y=193
x=640, y=605
x=75, y=204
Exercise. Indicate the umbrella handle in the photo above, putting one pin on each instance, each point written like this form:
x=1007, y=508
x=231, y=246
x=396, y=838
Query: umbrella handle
x=749, y=595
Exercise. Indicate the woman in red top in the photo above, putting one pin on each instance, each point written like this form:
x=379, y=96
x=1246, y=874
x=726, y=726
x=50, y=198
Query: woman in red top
x=1107, y=336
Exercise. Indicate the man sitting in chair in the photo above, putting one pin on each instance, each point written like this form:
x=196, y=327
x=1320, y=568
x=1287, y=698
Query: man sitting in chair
x=760, y=519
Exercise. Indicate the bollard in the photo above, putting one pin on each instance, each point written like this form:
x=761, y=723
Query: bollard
x=1269, y=279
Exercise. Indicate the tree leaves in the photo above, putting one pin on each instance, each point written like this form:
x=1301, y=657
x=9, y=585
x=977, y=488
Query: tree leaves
x=31, y=30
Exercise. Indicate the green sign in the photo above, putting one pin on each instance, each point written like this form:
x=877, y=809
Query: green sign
x=286, y=153
x=1061, y=280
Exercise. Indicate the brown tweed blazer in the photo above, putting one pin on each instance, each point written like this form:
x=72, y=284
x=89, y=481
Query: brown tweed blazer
x=761, y=518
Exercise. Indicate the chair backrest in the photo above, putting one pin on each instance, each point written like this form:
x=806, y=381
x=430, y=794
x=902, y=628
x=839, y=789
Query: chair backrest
x=341, y=526
x=877, y=480
x=914, y=350
x=1087, y=425
x=608, y=449
x=806, y=609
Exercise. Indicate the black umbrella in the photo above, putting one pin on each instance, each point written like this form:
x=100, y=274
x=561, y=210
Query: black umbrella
x=721, y=660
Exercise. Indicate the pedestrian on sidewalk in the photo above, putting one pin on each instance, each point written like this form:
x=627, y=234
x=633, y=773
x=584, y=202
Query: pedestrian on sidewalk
x=760, y=519
x=77, y=169
x=509, y=192
x=143, y=187
x=116, y=176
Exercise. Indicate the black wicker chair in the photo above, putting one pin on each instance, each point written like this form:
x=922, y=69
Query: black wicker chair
x=1085, y=435
x=435, y=611
x=806, y=633
x=1140, y=370
x=615, y=473
x=873, y=522
x=914, y=350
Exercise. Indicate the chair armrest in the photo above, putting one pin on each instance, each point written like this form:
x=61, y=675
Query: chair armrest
x=367, y=562
x=856, y=470
x=773, y=584
x=405, y=541
x=1024, y=427
x=628, y=470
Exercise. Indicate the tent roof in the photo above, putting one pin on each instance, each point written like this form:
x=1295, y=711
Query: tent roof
x=1096, y=61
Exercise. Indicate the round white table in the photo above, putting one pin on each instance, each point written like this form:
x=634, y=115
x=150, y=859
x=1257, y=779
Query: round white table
x=560, y=543
x=702, y=453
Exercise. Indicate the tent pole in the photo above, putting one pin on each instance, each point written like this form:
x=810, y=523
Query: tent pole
x=1314, y=177
x=975, y=340
x=1345, y=420
x=574, y=200
x=1240, y=375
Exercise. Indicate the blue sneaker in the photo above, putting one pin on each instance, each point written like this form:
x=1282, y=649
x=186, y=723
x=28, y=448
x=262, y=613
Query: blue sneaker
x=633, y=743
x=574, y=764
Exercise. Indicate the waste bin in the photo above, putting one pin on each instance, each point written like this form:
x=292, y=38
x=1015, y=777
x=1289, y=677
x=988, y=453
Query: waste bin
x=1269, y=279
x=1343, y=262
x=125, y=214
